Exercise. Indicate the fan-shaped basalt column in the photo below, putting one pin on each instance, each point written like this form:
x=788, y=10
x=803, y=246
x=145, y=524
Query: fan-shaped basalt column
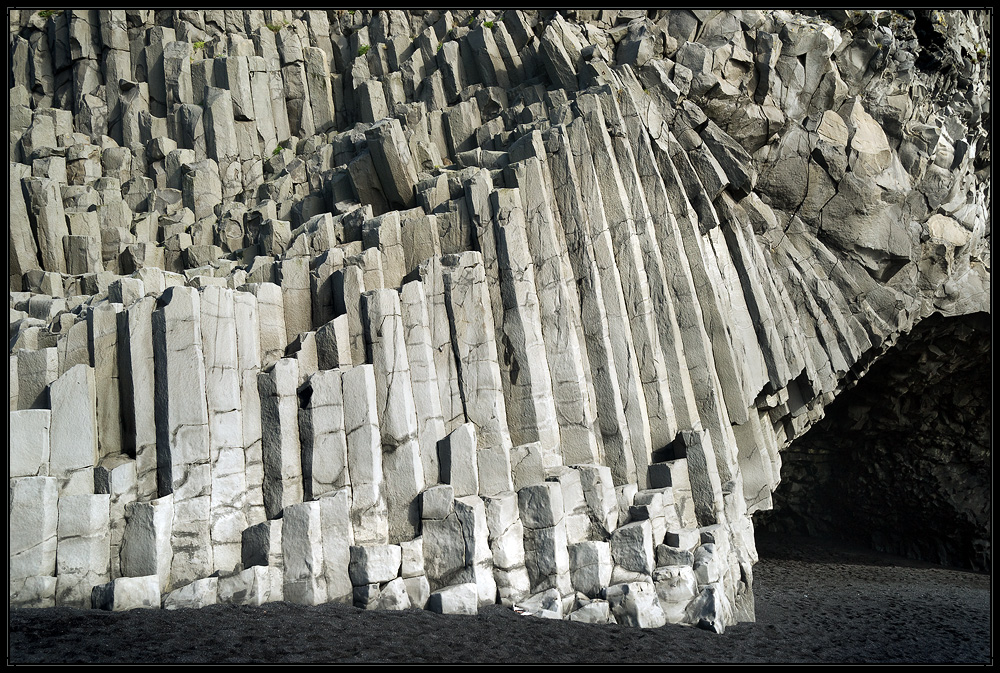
x=442, y=309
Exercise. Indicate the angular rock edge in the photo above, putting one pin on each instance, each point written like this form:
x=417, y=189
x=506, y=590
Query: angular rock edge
x=443, y=309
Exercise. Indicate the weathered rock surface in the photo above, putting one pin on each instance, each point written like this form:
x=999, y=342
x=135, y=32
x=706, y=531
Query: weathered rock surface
x=441, y=309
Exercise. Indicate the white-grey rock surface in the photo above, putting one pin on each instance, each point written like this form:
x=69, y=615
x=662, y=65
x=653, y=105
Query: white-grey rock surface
x=451, y=308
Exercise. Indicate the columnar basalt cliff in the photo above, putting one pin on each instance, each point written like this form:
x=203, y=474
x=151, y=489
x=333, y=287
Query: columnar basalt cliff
x=446, y=309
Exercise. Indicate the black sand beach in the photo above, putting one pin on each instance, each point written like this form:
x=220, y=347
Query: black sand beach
x=816, y=603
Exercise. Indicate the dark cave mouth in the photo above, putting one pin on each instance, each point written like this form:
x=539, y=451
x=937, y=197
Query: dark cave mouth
x=902, y=462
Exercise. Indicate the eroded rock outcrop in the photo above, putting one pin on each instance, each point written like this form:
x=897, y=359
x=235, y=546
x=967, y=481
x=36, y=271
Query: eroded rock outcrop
x=442, y=309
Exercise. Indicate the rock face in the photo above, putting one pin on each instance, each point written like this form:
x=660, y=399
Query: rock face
x=441, y=309
x=901, y=462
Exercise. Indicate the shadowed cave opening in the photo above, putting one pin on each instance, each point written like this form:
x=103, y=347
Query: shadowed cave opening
x=902, y=462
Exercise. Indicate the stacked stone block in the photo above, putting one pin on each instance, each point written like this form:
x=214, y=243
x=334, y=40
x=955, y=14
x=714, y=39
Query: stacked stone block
x=449, y=310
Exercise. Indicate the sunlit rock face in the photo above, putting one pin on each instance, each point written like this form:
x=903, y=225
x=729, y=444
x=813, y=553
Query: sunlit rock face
x=444, y=309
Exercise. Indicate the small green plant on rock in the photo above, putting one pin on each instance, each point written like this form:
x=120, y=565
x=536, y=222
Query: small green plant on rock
x=277, y=151
x=363, y=49
x=198, y=45
x=488, y=24
x=47, y=13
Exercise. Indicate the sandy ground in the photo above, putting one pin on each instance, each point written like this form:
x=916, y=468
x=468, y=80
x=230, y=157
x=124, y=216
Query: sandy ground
x=816, y=603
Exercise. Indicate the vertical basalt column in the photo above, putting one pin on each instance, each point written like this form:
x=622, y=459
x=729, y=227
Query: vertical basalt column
x=760, y=304
x=248, y=359
x=459, y=464
x=296, y=296
x=348, y=286
x=472, y=333
x=419, y=238
x=559, y=311
x=146, y=546
x=338, y=536
x=83, y=552
x=648, y=202
x=302, y=552
x=333, y=344
x=670, y=209
x=22, y=249
x=317, y=67
x=260, y=93
x=370, y=263
x=29, y=443
x=742, y=333
x=282, y=124
x=393, y=162
x=279, y=405
x=602, y=503
x=478, y=189
x=321, y=269
x=487, y=57
x=703, y=473
x=784, y=350
x=401, y=464
x=384, y=233
x=364, y=456
x=225, y=418
x=706, y=335
x=324, y=440
x=116, y=64
x=232, y=72
x=73, y=350
x=221, y=139
x=471, y=513
x=633, y=400
x=177, y=58
x=449, y=390
x=531, y=413
x=36, y=369
x=84, y=70
x=506, y=538
x=183, y=453
x=116, y=477
x=49, y=221
x=271, y=320
x=158, y=37
x=300, y=117
x=190, y=124
x=102, y=327
x=33, y=506
x=615, y=444
x=73, y=431
x=43, y=82
x=713, y=318
x=635, y=285
x=756, y=467
x=423, y=377
x=137, y=373
x=545, y=543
